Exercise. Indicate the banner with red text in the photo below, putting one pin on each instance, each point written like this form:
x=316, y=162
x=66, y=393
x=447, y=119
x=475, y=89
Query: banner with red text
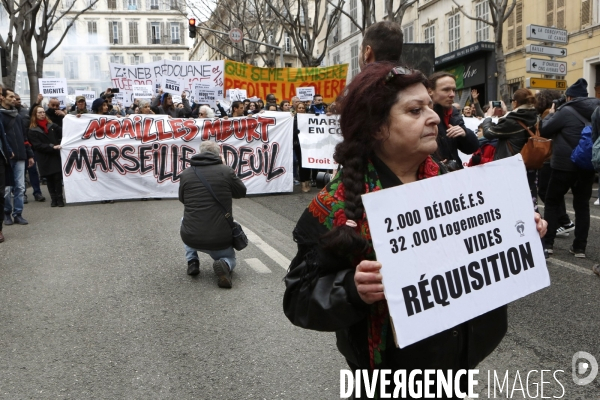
x=109, y=158
x=329, y=82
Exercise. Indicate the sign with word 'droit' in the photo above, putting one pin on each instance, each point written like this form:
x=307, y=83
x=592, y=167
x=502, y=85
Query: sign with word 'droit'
x=455, y=246
x=319, y=134
x=539, y=83
x=546, y=50
x=546, y=66
x=547, y=34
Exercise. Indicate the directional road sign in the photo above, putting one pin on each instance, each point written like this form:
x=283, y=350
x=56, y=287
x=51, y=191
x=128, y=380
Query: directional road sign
x=546, y=66
x=546, y=50
x=547, y=34
x=539, y=83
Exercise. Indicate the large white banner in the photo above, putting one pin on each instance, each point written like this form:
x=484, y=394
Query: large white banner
x=319, y=134
x=188, y=72
x=456, y=246
x=106, y=158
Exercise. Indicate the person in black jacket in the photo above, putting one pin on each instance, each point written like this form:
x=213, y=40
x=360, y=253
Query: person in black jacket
x=334, y=281
x=564, y=126
x=6, y=176
x=204, y=227
x=163, y=105
x=452, y=133
x=45, y=138
x=17, y=137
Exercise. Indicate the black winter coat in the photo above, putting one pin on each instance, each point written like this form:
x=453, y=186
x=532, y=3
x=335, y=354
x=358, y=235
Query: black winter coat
x=448, y=147
x=508, y=130
x=564, y=128
x=57, y=119
x=5, y=154
x=15, y=134
x=204, y=226
x=48, y=158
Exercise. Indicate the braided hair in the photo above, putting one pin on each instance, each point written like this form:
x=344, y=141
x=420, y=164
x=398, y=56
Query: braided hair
x=364, y=112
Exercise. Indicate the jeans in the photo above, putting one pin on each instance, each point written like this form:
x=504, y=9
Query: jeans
x=34, y=179
x=14, y=205
x=227, y=255
x=580, y=182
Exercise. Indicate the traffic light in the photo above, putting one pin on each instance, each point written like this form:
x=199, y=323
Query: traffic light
x=192, y=27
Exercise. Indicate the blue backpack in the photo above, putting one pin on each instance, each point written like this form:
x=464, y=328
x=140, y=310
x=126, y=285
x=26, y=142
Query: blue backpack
x=582, y=153
x=596, y=147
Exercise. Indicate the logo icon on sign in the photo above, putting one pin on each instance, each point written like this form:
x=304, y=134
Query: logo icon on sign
x=520, y=225
x=580, y=367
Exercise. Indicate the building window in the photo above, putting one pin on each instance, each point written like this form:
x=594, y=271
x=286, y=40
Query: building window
x=482, y=30
x=519, y=17
x=157, y=57
x=92, y=32
x=117, y=59
x=73, y=29
x=71, y=67
x=175, y=38
x=287, y=47
x=336, y=59
x=174, y=5
x=454, y=32
x=354, y=15
x=131, y=5
x=133, y=32
x=155, y=32
x=136, y=59
x=111, y=4
x=408, y=33
x=304, y=41
x=115, y=30
x=69, y=3
x=429, y=34
x=94, y=66
x=555, y=13
x=176, y=57
x=354, y=60
x=154, y=5
x=288, y=65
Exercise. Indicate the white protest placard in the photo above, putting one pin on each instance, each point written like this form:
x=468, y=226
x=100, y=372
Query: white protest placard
x=89, y=95
x=305, y=93
x=54, y=88
x=105, y=157
x=207, y=95
x=120, y=99
x=237, y=94
x=319, y=134
x=456, y=246
x=142, y=91
x=172, y=85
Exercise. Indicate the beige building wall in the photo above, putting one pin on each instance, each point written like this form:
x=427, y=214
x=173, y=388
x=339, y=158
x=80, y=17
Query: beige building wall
x=581, y=20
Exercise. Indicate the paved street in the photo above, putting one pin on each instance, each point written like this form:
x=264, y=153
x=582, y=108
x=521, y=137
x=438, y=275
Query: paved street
x=96, y=304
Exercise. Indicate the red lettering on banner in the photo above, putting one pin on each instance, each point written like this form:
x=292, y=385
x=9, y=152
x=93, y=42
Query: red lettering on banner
x=112, y=129
x=147, y=136
x=210, y=128
x=192, y=129
x=95, y=128
x=250, y=129
x=226, y=130
x=164, y=134
x=264, y=127
x=127, y=129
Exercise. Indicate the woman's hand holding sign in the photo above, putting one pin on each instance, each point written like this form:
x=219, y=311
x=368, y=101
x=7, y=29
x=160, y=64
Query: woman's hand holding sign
x=541, y=225
x=367, y=279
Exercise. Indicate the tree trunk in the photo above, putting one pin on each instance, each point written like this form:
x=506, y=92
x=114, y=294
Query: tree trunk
x=31, y=72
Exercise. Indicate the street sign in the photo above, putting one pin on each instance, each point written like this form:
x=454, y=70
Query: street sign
x=546, y=50
x=547, y=34
x=540, y=83
x=236, y=35
x=546, y=66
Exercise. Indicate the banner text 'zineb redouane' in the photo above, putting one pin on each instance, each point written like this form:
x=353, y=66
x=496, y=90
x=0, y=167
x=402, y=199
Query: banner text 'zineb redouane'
x=142, y=156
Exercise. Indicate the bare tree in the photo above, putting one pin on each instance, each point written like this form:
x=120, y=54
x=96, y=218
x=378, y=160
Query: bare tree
x=368, y=12
x=304, y=25
x=499, y=12
x=31, y=23
x=398, y=14
x=253, y=17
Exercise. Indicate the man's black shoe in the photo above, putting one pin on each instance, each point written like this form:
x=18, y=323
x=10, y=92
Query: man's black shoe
x=20, y=220
x=60, y=202
x=222, y=271
x=8, y=219
x=39, y=197
x=193, y=267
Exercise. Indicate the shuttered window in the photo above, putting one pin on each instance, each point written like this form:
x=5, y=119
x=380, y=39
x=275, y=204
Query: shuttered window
x=586, y=12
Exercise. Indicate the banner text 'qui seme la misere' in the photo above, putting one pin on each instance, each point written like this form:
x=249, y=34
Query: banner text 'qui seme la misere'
x=329, y=82
x=106, y=158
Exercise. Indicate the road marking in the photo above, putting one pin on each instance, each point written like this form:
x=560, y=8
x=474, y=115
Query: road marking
x=258, y=266
x=570, y=266
x=573, y=213
x=267, y=249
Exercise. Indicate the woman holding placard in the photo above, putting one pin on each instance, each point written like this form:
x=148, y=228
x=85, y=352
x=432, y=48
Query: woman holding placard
x=334, y=284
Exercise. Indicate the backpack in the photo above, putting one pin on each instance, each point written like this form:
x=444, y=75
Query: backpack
x=484, y=154
x=536, y=150
x=596, y=146
x=582, y=153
